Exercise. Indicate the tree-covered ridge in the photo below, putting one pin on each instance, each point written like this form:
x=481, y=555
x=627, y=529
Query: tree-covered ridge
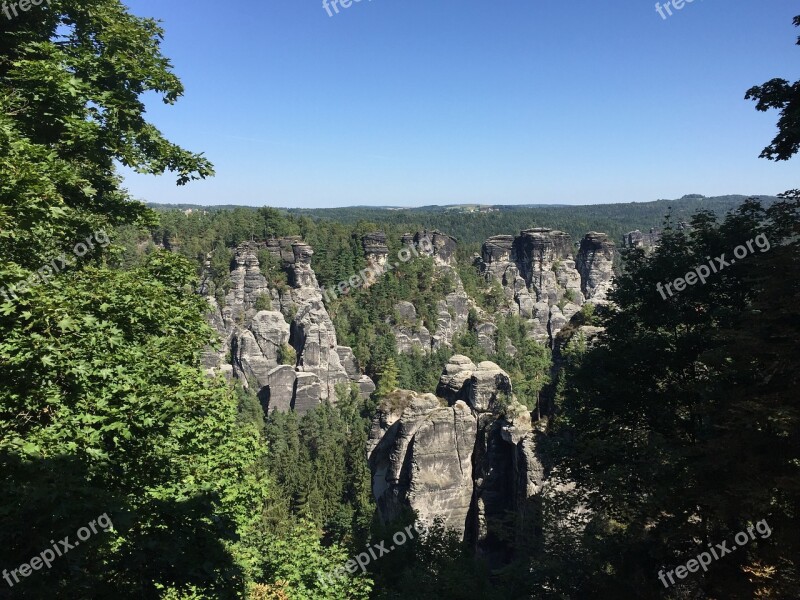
x=472, y=228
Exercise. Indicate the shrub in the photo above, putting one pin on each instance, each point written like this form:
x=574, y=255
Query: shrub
x=263, y=302
x=287, y=355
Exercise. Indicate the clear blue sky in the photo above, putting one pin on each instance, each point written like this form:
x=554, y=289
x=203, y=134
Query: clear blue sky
x=414, y=102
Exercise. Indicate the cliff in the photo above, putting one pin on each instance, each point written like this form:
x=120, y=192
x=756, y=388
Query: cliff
x=546, y=278
x=256, y=342
x=469, y=454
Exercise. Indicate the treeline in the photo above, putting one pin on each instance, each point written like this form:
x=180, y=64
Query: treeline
x=473, y=228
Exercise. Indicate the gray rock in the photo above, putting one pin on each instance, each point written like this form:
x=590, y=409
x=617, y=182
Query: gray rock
x=254, y=339
x=365, y=386
x=542, y=281
x=349, y=362
x=488, y=385
x=423, y=460
x=453, y=382
x=486, y=337
x=271, y=332
x=307, y=392
x=471, y=468
x=279, y=390
x=637, y=239
x=595, y=264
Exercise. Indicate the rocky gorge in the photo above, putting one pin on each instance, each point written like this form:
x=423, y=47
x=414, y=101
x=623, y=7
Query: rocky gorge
x=468, y=451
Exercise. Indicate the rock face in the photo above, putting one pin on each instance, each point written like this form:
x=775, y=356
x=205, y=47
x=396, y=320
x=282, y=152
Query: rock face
x=468, y=457
x=421, y=458
x=544, y=279
x=409, y=332
x=375, y=251
x=637, y=239
x=451, y=312
x=595, y=265
x=256, y=341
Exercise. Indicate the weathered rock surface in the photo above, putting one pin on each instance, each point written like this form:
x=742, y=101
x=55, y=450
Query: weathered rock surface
x=469, y=463
x=409, y=332
x=375, y=251
x=423, y=459
x=637, y=239
x=254, y=340
x=544, y=279
x=451, y=312
x=595, y=265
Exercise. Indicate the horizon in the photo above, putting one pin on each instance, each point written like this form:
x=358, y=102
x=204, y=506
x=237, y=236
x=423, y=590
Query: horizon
x=462, y=204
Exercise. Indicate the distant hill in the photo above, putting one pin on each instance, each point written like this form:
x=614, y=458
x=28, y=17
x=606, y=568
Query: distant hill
x=471, y=224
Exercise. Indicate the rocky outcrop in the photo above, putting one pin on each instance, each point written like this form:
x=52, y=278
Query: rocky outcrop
x=376, y=252
x=544, y=280
x=482, y=387
x=422, y=460
x=637, y=239
x=451, y=312
x=409, y=332
x=595, y=265
x=257, y=341
x=468, y=456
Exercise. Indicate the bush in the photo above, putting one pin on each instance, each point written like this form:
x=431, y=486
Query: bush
x=287, y=355
x=263, y=302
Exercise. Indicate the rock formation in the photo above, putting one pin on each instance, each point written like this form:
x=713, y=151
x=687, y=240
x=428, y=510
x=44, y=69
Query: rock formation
x=637, y=239
x=544, y=279
x=451, y=312
x=256, y=341
x=595, y=265
x=376, y=253
x=467, y=456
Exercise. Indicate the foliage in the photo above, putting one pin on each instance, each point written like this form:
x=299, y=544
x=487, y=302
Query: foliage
x=696, y=389
x=105, y=410
x=317, y=462
x=300, y=565
x=287, y=355
x=783, y=96
x=264, y=302
x=434, y=564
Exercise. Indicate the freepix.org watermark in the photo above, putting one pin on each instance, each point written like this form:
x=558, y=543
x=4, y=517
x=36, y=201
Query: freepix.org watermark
x=43, y=275
x=676, y=4
x=335, y=4
x=369, y=275
x=705, y=558
x=24, y=5
x=46, y=557
x=376, y=551
x=716, y=265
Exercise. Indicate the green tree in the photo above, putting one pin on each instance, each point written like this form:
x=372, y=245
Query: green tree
x=783, y=96
x=693, y=389
x=388, y=378
x=103, y=405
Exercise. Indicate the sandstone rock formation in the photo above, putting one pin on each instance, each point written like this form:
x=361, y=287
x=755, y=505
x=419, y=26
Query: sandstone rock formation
x=469, y=456
x=421, y=458
x=451, y=312
x=544, y=279
x=409, y=332
x=637, y=239
x=375, y=251
x=255, y=341
x=595, y=265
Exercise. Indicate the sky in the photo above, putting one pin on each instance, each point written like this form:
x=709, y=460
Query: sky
x=419, y=102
